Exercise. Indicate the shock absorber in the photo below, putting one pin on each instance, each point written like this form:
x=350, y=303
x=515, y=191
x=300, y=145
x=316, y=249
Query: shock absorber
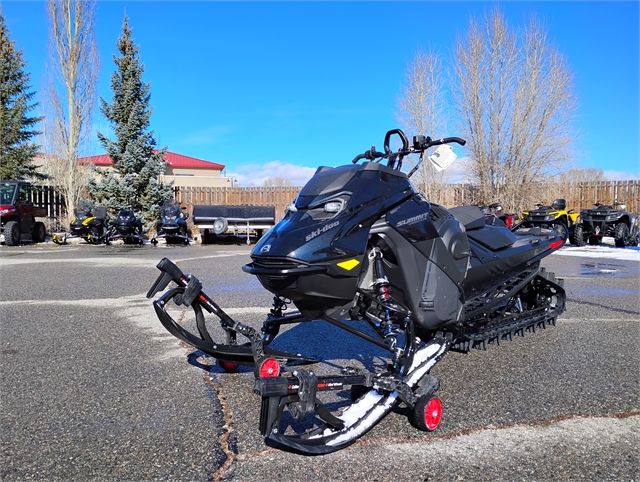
x=382, y=288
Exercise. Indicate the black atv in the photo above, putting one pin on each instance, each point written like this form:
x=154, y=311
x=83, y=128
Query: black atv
x=607, y=220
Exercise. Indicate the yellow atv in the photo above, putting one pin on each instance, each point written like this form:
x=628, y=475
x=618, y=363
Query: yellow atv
x=554, y=217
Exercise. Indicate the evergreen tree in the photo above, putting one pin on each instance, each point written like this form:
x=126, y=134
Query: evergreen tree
x=17, y=150
x=138, y=164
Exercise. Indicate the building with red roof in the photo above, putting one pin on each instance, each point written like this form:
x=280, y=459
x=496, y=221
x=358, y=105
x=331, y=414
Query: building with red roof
x=181, y=170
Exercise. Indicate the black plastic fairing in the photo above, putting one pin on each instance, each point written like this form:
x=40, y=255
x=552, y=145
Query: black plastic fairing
x=310, y=235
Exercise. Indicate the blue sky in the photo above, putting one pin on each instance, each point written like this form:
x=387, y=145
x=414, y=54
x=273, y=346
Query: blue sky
x=278, y=88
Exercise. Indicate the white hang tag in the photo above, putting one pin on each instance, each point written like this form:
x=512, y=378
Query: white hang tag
x=442, y=157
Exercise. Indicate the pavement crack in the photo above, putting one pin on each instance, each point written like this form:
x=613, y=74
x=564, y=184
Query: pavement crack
x=603, y=306
x=226, y=438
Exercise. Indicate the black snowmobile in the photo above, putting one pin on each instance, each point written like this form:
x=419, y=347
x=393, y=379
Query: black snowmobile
x=606, y=220
x=360, y=246
x=172, y=225
x=127, y=227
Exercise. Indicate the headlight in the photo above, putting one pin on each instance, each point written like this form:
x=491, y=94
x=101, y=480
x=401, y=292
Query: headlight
x=550, y=217
x=334, y=206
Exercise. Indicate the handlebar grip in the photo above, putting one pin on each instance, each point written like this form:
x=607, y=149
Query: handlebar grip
x=358, y=157
x=457, y=140
x=172, y=270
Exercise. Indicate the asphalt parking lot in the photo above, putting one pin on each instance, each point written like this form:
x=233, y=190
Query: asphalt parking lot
x=92, y=387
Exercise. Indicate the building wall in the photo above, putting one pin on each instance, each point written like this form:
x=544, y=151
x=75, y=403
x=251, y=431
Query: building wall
x=181, y=171
x=201, y=179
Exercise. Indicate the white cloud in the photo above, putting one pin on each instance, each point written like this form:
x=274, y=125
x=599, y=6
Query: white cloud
x=256, y=174
x=459, y=172
x=621, y=175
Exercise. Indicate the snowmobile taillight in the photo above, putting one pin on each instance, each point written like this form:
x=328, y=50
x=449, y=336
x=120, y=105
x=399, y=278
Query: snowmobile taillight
x=433, y=413
x=508, y=220
x=269, y=368
x=228, y=366
x=556, y=244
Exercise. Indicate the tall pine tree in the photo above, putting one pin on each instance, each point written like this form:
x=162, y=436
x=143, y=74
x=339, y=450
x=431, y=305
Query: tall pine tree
x=17, y=150
x=138, y=164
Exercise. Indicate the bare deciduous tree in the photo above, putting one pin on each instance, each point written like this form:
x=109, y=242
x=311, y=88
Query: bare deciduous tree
x=72, y=94
x=277, y=181
x=420, y=112
x=514, y=94
x=583, y=174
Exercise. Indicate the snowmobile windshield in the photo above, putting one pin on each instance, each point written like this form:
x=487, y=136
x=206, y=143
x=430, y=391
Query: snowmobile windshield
x=354, y=183
x=7, y=192
x=171, y=210
x=82, y=212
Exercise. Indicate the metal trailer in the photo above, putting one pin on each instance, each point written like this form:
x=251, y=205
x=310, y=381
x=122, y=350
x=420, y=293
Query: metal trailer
x=223, y=220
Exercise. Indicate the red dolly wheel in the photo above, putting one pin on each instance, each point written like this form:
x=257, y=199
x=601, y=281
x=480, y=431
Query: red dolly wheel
x=426, y=414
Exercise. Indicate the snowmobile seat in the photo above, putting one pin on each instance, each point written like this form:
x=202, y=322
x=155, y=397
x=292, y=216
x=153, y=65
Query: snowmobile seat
x=471, y=217
x=493, y=237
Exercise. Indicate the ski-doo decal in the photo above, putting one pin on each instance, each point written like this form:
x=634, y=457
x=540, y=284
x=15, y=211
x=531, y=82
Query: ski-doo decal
x=322, y=230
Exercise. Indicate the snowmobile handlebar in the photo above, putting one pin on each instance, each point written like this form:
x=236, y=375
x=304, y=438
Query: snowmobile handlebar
x=420, y=144
x=371, y=154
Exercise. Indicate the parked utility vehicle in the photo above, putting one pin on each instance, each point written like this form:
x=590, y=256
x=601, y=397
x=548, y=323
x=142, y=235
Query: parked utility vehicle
x=555, y=217
x=605, y=220
x=18, y=214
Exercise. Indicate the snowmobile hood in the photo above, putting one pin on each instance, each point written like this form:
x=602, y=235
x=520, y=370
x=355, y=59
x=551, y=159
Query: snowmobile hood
x=332, y=213
x=125, y=216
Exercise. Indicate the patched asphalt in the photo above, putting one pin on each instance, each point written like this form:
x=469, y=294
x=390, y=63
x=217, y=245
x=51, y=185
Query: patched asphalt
x=94, y=388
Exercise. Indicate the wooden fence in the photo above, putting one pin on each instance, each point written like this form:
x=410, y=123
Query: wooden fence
x=578, y=195
x=49, y=198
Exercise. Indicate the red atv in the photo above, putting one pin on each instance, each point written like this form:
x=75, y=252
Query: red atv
x=18, y=214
